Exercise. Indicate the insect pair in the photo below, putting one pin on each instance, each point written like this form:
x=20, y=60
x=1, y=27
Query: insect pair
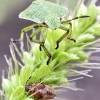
x=48, y=15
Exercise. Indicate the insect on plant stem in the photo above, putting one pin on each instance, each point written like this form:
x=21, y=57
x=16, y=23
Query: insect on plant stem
x=49, y=15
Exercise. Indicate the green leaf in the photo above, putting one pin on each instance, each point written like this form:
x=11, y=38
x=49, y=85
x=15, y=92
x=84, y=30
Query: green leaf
x=17, y=94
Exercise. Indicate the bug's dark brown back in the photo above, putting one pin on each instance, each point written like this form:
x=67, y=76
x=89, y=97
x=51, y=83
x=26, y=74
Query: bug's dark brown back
x=40, y=91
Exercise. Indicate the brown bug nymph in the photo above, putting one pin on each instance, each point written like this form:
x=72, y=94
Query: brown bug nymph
x=40, y=91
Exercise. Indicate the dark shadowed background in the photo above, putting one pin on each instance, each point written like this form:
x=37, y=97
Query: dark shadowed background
x=10, y=27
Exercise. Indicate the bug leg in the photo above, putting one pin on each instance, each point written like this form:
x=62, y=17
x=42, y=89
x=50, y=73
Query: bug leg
x=28, y=79
x=70, y=31
x=41, y=44
x=23, y=31
x=26, y=29
x=61, y=38
x=68, y=34
x=40, y=47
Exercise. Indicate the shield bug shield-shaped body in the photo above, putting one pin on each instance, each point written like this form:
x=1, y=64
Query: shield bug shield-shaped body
x=46, y=14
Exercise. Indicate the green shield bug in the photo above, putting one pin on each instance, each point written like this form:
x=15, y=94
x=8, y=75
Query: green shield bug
x=49, y=15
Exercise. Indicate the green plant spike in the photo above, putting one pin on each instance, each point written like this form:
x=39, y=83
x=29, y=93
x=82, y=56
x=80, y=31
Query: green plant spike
x=49, y=15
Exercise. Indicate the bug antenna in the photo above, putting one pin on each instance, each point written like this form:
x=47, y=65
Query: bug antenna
x=83, y=16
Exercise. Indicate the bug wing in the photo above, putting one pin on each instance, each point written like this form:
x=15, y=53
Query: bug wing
x=43, y=11
x=52, y=21
x=36, y=12
x=56, y=9
x=55, y=12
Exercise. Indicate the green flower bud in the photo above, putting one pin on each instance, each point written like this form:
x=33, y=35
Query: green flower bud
x=85, y=38
x=95, y=30
x=82, y=55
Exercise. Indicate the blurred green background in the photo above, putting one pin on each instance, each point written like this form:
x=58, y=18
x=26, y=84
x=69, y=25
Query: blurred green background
x=10, y=27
